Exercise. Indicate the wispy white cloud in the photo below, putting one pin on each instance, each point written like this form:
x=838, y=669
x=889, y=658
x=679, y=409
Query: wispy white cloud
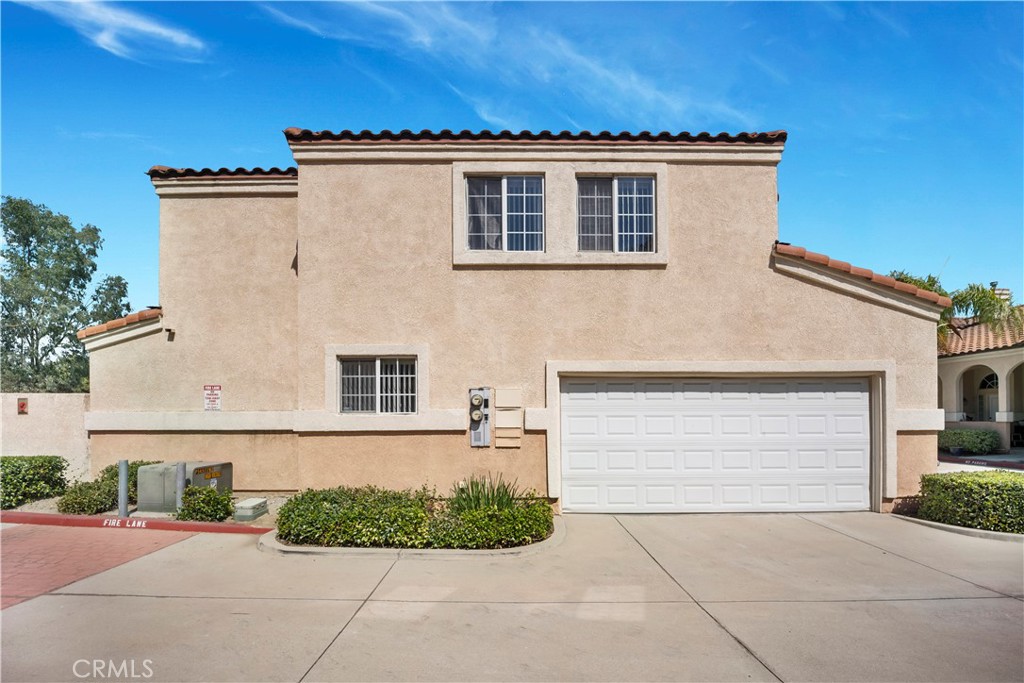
x=525, y=61
x=121, y=31
x=886, y=20
x=487, y=110
x=769, y=70
x=101, y=135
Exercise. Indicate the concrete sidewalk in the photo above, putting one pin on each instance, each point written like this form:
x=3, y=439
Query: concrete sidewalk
x=850, y=596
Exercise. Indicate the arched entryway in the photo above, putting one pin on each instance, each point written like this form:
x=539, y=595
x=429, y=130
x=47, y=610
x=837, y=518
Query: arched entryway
x=979, y=391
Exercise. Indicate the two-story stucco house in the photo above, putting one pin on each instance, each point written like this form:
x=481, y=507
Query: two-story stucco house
x=638, y=338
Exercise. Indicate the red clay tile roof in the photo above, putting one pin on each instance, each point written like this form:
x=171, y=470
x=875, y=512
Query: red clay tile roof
x=148, y=314
x=776, y=137
x=164, y=172
x=883, y=280
x=970, y=336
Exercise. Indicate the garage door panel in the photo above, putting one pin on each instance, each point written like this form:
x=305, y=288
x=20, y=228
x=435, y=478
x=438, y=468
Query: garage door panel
x=749, y=444
x=715, y=496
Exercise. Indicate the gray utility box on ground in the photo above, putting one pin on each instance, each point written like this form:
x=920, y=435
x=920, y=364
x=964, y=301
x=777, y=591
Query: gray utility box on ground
x=158, y=483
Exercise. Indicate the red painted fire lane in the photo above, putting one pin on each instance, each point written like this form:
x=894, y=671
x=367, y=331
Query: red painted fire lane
x=36, y=559
x=17, y=517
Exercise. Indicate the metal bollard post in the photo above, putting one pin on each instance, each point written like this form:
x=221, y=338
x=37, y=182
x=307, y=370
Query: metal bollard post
x=179, y=485
x=122, y=488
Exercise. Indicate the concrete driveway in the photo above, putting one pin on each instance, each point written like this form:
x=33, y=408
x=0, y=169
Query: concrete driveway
x=846, y=596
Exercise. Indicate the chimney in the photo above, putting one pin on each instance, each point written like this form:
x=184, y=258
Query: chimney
x=1001, y=292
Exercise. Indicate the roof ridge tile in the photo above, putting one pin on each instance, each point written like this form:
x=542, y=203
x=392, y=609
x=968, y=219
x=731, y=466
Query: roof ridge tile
x=130, y=319
x=877, y=278
x=167, y=172
x=303, y=135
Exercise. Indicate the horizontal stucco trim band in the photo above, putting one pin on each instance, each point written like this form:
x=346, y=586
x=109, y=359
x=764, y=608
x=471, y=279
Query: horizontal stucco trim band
x=451, y=420
x=838, y=281
x=274, y=421
x=920, y=420
x=220, y=187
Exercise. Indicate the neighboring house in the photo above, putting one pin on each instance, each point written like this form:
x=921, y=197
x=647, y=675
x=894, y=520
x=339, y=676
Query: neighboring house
x=981, y=380
x=650, y=345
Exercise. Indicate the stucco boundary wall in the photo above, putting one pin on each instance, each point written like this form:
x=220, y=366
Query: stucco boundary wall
x=53, y=425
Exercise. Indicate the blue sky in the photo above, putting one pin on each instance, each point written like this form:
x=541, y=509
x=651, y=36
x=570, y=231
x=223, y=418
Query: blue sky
x=905, y=120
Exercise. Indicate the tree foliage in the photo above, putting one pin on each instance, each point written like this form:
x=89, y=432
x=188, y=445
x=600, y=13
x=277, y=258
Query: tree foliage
x=48, y=266
x=975, y=301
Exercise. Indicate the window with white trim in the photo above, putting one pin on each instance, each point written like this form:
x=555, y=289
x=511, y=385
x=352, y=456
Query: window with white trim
x=505, y=213
x=378, y=385
x=615, y=214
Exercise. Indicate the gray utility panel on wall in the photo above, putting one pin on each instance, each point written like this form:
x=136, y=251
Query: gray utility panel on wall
x=157, y=485
x=480, y=417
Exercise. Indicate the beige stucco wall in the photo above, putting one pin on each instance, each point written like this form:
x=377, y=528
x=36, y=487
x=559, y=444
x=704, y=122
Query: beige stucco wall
x=285, y=461
x=375, y=266
x=54, y=425
x=717, y=299
x=918, y=453
x=228, y=290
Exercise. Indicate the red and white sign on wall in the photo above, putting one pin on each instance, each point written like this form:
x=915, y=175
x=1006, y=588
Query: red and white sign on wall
x=211, y=396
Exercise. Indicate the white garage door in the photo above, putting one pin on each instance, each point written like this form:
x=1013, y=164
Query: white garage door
x=712, y=445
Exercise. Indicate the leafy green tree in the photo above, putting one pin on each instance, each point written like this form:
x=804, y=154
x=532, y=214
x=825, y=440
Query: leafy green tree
x=110, y=300
x=47, y=269
x=973, y=301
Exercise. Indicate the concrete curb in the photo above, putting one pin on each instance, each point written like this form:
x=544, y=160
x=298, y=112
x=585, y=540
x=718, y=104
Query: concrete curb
x=268, y=543
x=47, y=519
x=965, y=531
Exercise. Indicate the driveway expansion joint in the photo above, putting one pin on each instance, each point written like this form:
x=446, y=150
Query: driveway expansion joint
x=350, y=619
x=904, y=557
x=711, y=616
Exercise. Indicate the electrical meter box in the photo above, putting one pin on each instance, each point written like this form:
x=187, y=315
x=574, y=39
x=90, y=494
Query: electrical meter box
x=157, y=484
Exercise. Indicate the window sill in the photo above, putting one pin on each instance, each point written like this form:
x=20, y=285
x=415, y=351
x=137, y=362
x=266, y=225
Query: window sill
x=575, y=259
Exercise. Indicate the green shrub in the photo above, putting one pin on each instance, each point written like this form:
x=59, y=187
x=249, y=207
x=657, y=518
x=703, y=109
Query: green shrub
x=481, y=493
x=373, y=517
x=27, y=478
x=110, y=473
x=89, y=498
x=205, y=504
x=977, y=441
x=361, y=517
x=979, y=500
x=526, y=522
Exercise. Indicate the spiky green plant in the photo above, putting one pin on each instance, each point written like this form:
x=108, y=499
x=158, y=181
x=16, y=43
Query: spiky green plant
x=480, y=493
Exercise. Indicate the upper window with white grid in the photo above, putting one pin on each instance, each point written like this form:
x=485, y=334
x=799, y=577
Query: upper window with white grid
x=506, y=213
x=378, y=385
x=616, y=214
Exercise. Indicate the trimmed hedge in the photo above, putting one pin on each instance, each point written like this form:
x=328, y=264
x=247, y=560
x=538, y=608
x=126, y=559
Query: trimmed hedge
x=529, y=522
x=205, y=504
x=369, y=517
x=31, y=477
x=976, y=441
x=89, y=498
x=94, y=497
x=979, y=500
x=366, y=517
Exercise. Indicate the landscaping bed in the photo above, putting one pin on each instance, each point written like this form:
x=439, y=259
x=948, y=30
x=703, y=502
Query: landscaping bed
x=481, y=514
x=993, y=501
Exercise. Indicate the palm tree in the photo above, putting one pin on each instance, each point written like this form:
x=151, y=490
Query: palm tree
x=975, y=304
